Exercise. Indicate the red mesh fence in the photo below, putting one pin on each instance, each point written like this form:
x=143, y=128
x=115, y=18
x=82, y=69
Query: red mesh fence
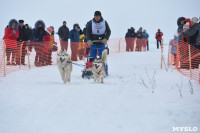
x=16, y=56
x=186, y=61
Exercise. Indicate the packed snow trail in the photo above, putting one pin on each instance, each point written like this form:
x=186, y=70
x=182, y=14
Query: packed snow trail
x=137, y=97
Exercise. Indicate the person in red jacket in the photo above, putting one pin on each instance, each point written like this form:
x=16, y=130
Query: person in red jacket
x=10, y=38
x=159, y=35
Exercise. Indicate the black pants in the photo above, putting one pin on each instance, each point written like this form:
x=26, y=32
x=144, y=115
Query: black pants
x=158, y=41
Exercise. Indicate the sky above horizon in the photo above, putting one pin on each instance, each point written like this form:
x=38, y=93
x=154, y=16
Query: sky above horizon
x=120, y=15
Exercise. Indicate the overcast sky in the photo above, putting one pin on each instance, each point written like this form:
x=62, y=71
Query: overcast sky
x=120, y=15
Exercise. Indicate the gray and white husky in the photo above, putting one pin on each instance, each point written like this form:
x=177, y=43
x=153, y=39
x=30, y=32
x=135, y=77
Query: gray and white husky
x=98, y=67
x=64, y=64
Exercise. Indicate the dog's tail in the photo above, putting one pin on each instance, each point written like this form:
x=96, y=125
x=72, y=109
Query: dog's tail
x=104, y=56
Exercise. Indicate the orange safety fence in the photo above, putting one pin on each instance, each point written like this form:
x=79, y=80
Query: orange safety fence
x=186, y=61
x=16, y=56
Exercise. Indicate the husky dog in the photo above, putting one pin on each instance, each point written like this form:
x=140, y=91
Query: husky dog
x=64, y=64
x=98, y=67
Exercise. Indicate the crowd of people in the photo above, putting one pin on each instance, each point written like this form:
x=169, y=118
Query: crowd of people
x=141, y=37
x=187, y=34
x=19, y=37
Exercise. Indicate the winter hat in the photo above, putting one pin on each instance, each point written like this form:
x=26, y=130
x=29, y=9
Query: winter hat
x=186, y=26
x=144, y=30
x=11, y=22
x=26, y=25
x=158, y=29
x=133, y=29
x=194, y=19
x=21, y=21
x=97, y=13
x=49, y=29
x=52, y=27
x=140, y=28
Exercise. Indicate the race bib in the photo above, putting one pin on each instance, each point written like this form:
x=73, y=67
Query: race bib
x=98, y=28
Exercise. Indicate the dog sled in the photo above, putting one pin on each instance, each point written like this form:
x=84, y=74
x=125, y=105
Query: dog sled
x=87, y=71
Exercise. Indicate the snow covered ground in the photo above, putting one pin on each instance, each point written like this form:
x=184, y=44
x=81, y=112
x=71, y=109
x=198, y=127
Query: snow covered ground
x=37, y=101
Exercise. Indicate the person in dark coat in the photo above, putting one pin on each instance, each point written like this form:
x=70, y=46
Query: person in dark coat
x=63, y=33
x=23, y=37
x=97, y=33
x=130, y=39
x=194, y=39
x=139, y=41
x=180, y=23
x=30, y=36
x=38, y=38
x=74, y=40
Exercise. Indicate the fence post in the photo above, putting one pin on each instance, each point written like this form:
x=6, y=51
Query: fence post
x=199, y=77
x=28, y=58
x=119, y=45
x=190, y=61
x=20, y=55
x=4, y=59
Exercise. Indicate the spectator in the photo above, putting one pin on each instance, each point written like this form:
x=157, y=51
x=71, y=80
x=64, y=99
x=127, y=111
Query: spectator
x=38, y=37
x=23, y=37
x=130, y=39
x=30, y=34
x=52, y=45
x=174, y=44
x=180, y=23
x=63, y=33
x=193, y=33
x=159, y=35
x=139, y=41
x=185, y=28
x=10, y=38
x=146, y=36
x=82, y=46
x=74, y=39
x=194, y=39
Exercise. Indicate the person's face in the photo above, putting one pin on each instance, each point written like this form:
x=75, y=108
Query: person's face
x=192, y=22
x=97, y=18
x=40, y=25
x=76, y=28
x=13, y=25
x=21, y=24
x=64, y=24
x=175, y=37
x=182, y=22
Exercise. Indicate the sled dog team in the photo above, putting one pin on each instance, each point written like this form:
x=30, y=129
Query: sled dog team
x=64, y=64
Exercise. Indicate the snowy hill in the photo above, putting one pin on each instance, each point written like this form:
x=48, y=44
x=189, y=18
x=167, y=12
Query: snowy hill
x=37, y=101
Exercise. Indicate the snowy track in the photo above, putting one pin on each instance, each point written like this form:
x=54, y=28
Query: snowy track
x=37, y=101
